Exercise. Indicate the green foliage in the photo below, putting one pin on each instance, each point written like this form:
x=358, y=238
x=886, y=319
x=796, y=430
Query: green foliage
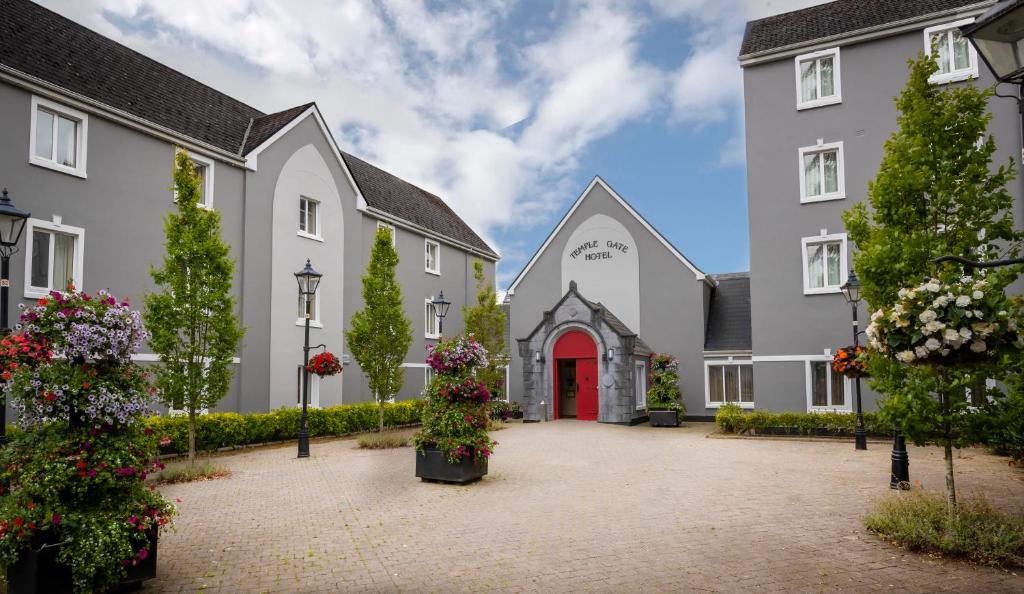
x=192, y=317
x=1006, y=431
x=732, y=419
x=381, y=334
x=919, y=520
x=231, y=430
x=663, y=391
x=184, y=473
x=486, y=321
x=382, y=441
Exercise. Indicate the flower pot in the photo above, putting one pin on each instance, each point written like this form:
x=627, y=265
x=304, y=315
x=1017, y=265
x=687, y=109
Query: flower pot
x=664, y=418
x=432, y=465
x=37, y=570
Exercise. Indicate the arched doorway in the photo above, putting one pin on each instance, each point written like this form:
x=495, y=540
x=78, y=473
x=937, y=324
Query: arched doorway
x=575, y=375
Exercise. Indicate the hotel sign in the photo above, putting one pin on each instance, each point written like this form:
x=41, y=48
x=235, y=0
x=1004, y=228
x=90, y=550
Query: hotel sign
x=599, y=250
x=601, y=256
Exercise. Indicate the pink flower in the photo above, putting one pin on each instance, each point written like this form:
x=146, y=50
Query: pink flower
x=56, y=519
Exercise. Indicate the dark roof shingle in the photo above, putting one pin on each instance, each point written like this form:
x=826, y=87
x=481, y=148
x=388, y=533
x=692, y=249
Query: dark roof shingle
x=729, y=314
x=266, y=126
x=836, y=18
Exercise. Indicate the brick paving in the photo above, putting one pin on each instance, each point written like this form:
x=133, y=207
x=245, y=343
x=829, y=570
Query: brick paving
x=569, y=506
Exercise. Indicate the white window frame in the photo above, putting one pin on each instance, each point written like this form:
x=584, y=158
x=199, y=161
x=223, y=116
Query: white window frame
x=958, y=75
x=437, y=256
x=823, y=147
x=314, y=322
x=708, y=364
x=640, y=384
x=55, y=226
x=207, y=162
x=428, y=375
x=389, y=227
x=809, y=385
x=836, y=97
x=81, y=137
x=843, y=264
x=314, y=389
x=319, y=218
x=428, y=306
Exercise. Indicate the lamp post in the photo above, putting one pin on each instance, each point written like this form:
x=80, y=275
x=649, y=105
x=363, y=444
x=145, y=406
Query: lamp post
x=12, y=225
x=851, y=290
x=441, y=309
x=309, y=281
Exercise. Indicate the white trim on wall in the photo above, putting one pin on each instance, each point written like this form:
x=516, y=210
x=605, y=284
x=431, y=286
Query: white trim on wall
x=836, y=96
x=427, y=242
x=954, y=75
x=822, y=147
x=55, y=226
x=153, y=357
x=81, y=136
x=824, y=238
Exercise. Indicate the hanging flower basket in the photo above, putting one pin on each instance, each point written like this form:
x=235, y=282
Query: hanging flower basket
x=324, y=364
x=849, y=362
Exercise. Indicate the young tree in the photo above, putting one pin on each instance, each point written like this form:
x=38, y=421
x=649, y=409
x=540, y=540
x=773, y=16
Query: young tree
x=381, y=334
x=486, y=322
x=192, y=316
x=936, y=194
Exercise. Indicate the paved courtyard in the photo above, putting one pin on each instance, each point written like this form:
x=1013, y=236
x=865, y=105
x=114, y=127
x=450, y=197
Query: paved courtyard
x=568, y=506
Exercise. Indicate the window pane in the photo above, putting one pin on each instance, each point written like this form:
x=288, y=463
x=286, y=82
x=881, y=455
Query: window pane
x=812, y=175
x=305, y=308
x=431, y=256
x=961, y=53
x=979, y=392
x=815, y=266
x=715, y=391
x=746, y=383
x=430, y=319
x=838, y=389
x=63, y=261
x=831, y=172
x=200, y=170
x=940, y=41
x=66, y=141
x=827, y=81
x=44, y=134
x=819, y=383
x=312, y=208
x=40, y=259
x=834, y=265
x=302, y=215
x=732, y=384
x=808, y=81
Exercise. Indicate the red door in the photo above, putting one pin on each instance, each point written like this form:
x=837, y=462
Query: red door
x=586, y=398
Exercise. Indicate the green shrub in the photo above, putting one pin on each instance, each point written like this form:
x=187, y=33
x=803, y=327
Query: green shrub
x=729, y=418
x=183, y=473
x=919, y=520
x=1006, y=436
x=229, y=430
x=732, y=419
x=383, y=441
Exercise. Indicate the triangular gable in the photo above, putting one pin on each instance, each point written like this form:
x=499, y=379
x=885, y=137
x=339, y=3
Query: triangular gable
x=698, y=274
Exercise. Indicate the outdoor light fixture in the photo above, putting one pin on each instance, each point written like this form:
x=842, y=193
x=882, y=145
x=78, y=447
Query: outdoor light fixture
x=309, y=282
x=610, y=355
x=12, y=225
x=441, y=309
x=998, y=35
x=851, y=290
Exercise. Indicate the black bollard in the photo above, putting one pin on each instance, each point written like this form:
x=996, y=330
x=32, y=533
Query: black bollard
x=900, y=476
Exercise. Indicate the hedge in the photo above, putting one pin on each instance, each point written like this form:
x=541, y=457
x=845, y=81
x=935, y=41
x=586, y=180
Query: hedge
x=732, y=419
x=230, y=430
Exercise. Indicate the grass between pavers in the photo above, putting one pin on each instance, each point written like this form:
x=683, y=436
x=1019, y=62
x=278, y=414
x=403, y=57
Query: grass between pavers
x=383, y=441
x=183, y=473
x=919, y=521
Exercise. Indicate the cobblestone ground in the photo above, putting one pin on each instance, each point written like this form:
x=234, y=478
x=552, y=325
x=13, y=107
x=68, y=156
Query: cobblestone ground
x=568, y=506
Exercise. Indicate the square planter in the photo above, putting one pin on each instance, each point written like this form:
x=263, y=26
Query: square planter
x=433, y=466
x=664, y=418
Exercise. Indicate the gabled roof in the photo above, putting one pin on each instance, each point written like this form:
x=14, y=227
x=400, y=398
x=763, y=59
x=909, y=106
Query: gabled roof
x=636, y=215
x=728, y=327
x=841, y=17
x=263, y=127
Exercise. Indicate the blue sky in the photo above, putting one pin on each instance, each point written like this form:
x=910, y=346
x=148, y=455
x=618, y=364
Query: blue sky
x=504, y=108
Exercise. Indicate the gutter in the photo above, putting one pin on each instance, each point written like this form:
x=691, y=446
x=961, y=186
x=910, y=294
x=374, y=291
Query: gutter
x=410, y=226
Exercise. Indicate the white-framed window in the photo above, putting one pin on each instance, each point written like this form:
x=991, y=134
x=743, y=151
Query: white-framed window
x=428, y=376
x=389, y=227
x=58, y=137
x=53, y=256
x=314, y=389
x=430, y=319
x=817, y=79
x=955, y=55
x=312, y=308
x=976, y=391
x=826, y=390
x=728, y=381
x=204, y=169
x=824, y=263
x=640, y=384
x=821, y=172
x=432, y=253
x=309, y=218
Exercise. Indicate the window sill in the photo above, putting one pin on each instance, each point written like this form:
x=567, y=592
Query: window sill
x=310, y=236
x=834, y=100
x=434, y=272
x=432, y=336
x=312, y=323
x=825, y=291
x=829, y=409
x=38, y=292
x=721, y=404
x=952, y=77
x=47, y=164
x=823, y=198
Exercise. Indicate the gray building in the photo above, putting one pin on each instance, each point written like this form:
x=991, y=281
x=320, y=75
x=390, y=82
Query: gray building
x=819, y=85
x=91, y=131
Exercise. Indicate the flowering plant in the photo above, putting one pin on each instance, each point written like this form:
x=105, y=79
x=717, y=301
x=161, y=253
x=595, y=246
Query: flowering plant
x=956, y=323
x=663, y=392
x=17, y=350
x=457, y=355
x=850, y=362
x=324, y=364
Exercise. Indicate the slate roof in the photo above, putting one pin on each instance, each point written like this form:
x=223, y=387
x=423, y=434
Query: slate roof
x=728, y=327
x=49, y=47
x=412, y=203
x=836, y=18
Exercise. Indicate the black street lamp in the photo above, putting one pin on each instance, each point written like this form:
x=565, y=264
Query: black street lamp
x=12, y=225
x=851, y=290
x=441, y=309
x=309, y=281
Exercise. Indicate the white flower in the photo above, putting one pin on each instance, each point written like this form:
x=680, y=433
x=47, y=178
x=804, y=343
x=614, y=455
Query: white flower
x=927, y=316
x=902, y=293
x=932, y=344
x=978, y=295
x=911, y=294
x=967, y=313
x=932, y=327
x=940, y=301
x=963, y=301
x=877, y=315
x=945, y=352
x=952, y=337
x=965, y=333
x=906, y=356
x=899, y=308
x=979, y=314
x=902, y=323
x=933, y=286
x=979, y=346
x=921, y=352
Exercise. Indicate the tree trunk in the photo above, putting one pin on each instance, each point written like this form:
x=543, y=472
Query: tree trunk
x=191, y=437
x=380, y=410
x=947, y=445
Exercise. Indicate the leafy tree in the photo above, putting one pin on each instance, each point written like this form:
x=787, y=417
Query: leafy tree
x=192, y=316
x=381, y=334
x=486, y=322
x=936, y=194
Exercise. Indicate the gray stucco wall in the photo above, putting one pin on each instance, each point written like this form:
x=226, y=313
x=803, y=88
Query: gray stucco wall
x=785, y=321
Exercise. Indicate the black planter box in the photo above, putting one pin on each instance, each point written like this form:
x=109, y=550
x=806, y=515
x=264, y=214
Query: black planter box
x=433, y=466
x=664, y=418
x=38, y=571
